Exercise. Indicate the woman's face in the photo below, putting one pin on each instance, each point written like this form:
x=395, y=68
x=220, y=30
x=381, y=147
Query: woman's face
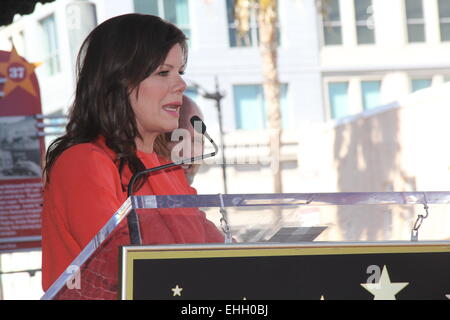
x=157, y=100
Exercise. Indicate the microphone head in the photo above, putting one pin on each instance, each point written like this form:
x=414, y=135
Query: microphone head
x=198, y=124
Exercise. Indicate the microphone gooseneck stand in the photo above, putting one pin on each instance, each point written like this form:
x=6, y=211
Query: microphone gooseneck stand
x=133, y=220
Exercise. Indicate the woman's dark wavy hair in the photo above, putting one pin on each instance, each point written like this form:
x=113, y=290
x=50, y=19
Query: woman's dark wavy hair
x=113, y=60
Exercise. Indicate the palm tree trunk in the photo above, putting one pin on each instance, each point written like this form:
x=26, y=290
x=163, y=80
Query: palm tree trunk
x=267, y=22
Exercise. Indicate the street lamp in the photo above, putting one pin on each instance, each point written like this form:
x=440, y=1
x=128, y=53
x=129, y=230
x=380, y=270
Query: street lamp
x=217, y=97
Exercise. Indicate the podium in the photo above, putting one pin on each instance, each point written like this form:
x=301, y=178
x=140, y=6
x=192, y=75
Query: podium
x=285, y=246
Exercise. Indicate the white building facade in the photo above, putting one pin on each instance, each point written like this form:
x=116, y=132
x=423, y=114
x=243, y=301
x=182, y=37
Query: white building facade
x=373, y=52
x=359, y=54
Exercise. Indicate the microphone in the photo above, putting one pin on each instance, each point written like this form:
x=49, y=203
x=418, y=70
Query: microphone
x=200, y=127
x=133, y=223
x=202, y=130
x=195, y=120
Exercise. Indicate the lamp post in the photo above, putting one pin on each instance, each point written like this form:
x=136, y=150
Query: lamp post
x=217, y=97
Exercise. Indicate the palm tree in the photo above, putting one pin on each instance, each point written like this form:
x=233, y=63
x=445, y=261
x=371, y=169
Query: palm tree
x=322, y=7
x=267, y=19
x=267, y=25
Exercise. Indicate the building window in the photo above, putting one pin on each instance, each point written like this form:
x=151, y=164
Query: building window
x=192, y=93
x=175, y=11
x=364, y=22
x=414, y=21
x=370, y=91
x=250, y=107
x=50, y=46
x=331, y=20
x=147, y=7
x=444, y=19
x=419, y=84
x=338, y=99
x=55, y=124
x=250, y=38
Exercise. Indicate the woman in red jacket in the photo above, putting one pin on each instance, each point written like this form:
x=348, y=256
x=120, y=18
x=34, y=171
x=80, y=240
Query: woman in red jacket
x=129, y=93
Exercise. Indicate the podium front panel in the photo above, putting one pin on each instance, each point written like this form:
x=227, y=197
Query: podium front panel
x=290, y=272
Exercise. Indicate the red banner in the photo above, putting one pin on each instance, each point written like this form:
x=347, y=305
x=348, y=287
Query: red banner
x=21, y=151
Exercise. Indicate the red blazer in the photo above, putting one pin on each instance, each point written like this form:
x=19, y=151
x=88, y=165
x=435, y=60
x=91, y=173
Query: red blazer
x=84, y=191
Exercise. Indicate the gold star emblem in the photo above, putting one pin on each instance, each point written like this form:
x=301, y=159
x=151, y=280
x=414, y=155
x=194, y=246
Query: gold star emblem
x=384, y=289
x=177, y=291
x=17, y=73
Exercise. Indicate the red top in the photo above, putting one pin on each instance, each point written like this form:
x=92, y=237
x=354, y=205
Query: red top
x=85, y=190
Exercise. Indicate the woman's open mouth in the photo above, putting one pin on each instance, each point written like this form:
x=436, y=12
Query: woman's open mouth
x=173, y=110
